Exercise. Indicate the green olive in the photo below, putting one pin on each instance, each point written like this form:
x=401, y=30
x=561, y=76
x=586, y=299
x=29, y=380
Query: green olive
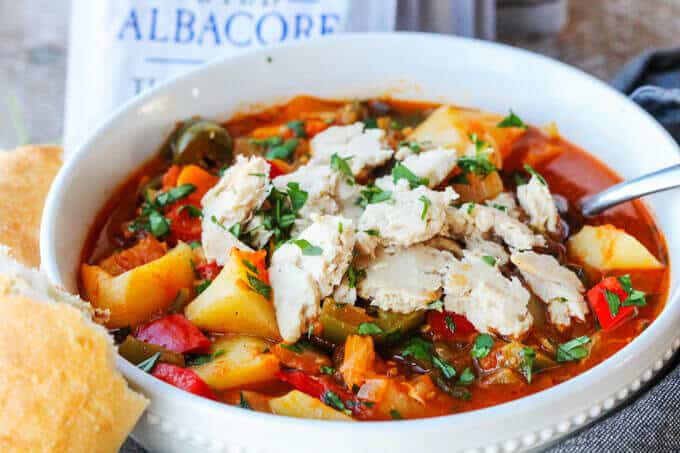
x=200, y=141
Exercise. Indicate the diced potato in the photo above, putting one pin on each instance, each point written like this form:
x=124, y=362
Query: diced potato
x=133, y=296
x=256, y=401
x=230, y=305
x=607, y=248
x=479, y=189
x=301, y=405
x=442, y=128
x=239, y=361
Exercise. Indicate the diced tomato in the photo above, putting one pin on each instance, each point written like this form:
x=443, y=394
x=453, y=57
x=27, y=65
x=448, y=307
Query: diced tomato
x=174, y=333
x=313, y=127
x=440, y=326
x=278, y=167
x=183, y=225
x=598, y=302
x=209, y=271
x=170, y=177
x=184, y=379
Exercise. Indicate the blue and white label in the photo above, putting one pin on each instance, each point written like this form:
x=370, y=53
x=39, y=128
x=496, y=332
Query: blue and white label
x=119, y=48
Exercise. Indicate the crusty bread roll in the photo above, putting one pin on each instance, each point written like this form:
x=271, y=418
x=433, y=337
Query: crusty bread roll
x=25, y=178
x=59, y=389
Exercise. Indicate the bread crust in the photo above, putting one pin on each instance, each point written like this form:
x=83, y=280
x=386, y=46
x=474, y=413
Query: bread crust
x=26, y=174
x=59, y=390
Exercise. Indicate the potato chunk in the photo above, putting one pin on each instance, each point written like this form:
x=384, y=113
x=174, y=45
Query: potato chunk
x=301, y=405
x=133, y=296
x=238, y=361
x=442, y=128
x=230, y=304
x=607, y=248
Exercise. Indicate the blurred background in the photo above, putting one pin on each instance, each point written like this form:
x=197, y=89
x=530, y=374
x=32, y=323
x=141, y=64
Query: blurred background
x=598, y=36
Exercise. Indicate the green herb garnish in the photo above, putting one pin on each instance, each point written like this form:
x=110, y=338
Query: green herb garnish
x=482, y=346
x=325, y=369
x=203, y=286
x=243, y=402
x=158, y=224
x=446, y=368
x=512, y=120
x=373, y=194
x=298, y=197
x=533, y=172
x=426, y=205
x=341, y=165
x=298, y=127
x=191, y=209
x=400, y=171
x=573, y=349
x=466, y=377
x=490, y=260
x=413, y=146
x=283, y=151
x=334, y=401
x=259, y=286
x=368, y=328
x=526, y=366
x=613, y=301
x=437, y=305
x=176, y=193
x=148, y=364
x=307, y=248
x=418, y=348
x=395, y=414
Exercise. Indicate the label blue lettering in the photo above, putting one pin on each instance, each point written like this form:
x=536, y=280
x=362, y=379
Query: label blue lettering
x=326, y=26
x=131, y=23
x=154, y=25
x=261, y=23
x=303, y=25
x=227, y=28
x=210, y=26
x=185, y=21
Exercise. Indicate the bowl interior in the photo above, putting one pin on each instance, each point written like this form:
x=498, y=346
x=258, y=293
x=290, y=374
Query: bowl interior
x=408, y=66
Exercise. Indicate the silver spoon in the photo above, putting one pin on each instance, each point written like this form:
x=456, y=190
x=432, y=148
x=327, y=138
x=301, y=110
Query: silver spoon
x=660, y=180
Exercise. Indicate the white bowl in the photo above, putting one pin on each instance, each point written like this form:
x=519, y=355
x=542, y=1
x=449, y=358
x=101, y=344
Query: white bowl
x=412, y=66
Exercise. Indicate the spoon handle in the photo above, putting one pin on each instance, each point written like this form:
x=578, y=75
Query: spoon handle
x=664, y=179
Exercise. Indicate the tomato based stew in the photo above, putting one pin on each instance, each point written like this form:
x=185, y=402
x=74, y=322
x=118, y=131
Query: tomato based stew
x=370, y=260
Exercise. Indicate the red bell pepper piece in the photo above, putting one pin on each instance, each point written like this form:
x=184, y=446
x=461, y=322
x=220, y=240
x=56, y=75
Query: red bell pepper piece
x=174, y=333
x=209, y=271
x=184, y=379
x=170, y=177
x=597, y=299
x=277, y=168
x=318, y=387
x=183, y=225
x=440, y=325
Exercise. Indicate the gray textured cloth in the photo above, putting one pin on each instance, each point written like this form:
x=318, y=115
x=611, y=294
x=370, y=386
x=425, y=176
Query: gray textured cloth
x=651, y=422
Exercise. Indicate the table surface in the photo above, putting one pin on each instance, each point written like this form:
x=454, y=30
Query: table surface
x=600, y=37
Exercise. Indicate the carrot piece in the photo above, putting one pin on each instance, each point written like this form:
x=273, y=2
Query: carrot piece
x=203, y=180
x=357, y=364
x=257, y=259
x=170, y=177
x=266, y=132
x=313, y=127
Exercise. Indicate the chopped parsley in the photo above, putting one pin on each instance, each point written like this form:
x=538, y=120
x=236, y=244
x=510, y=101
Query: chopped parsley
x=279, y=216
x=354, y=275
x=334, y=401
x=400, y=171
x=519, y=179
x=259, y=286
x=470, y=207
x=437, y=305
x=266, y=142
x=395, y=414
x=613, y=301
x=446, y=368
x=526, y=365
x=418, y=348
x=635, y=297
x=450, y=323
x=368, y=328
x=235, y=229
x=298, y=197
x=479, y=165
x=282, y=151
x=310, y=330
x=573, y=349
x=413, y=146
x=243, y=402
x=500, y=207
x=175, y=194
x=373, y=194
x=396, y=125
x=341, y=165
x=340, y=227
x=203, y=286
x=293, y=347
x=194, y=244
x=533, y=172
x=298, y=127
x=148, y=364
x=482, y=346
x=191, y=209
x=251, y=267
x=205, y=358
x=426, y=205
x=372, y=232
x=512, y=120
x=259, y=175
x=307, y=248
x=370, y=123
x=466, y=377
x=325, y=369
x=490, y=260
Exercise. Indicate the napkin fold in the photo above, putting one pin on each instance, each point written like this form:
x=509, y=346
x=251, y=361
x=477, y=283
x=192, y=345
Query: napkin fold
x=650, y=422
